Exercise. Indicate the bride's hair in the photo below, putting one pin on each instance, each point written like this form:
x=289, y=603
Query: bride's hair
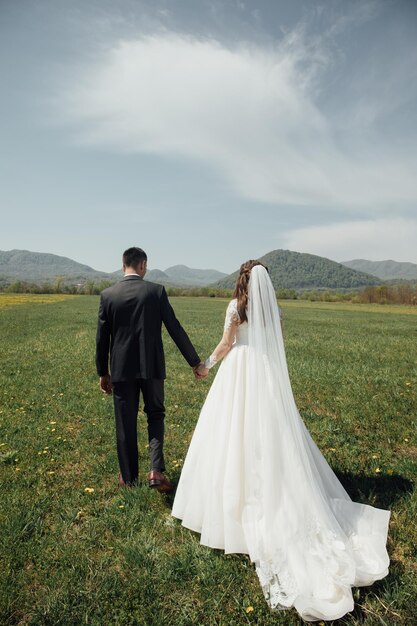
x=241, y=288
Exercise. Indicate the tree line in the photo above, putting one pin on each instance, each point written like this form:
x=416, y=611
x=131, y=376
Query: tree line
x=403, y=293
x=89, y=287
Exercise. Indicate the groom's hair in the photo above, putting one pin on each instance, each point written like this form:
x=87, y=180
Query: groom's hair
x=133, y=256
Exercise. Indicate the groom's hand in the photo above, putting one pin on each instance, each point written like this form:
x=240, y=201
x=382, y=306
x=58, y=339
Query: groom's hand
x=200, y=371
x=106, y=385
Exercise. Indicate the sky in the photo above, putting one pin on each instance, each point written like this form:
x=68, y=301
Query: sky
x=208, y=132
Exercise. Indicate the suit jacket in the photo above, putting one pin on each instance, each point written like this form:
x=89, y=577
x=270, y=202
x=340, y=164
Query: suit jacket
x=129, y=327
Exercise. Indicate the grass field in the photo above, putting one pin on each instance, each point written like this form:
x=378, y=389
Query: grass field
x=76, y=549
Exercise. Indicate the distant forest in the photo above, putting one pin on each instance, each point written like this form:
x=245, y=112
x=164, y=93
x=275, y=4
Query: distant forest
x=295, y=275
x=379, y=294
x=298, y=270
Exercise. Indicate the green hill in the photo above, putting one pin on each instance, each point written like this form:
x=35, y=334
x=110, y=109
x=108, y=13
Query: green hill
x=189, y=277
x=385, y=270
x=40, y=266
x=297, y=270
x=293, y=270
x=180, y=276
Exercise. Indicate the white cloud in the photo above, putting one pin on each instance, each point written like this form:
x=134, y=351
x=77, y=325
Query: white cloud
x=248, y=111
x=375, y=240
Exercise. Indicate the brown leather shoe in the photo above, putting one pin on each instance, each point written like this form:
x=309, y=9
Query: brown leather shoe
x=158, y=481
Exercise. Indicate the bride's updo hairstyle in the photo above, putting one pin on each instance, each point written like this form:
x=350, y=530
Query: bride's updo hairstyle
x=241, y=288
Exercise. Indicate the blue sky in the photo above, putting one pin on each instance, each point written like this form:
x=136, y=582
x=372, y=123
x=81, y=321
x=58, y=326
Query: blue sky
x=208, y=131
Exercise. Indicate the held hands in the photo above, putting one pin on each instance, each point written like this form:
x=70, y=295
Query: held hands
x=106, y=385
x=200, y=371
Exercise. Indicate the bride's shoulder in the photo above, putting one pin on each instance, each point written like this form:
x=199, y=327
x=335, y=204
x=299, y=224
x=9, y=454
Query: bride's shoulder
x=232, y=312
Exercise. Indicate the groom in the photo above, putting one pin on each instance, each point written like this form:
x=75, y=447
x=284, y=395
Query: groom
x=129, y=327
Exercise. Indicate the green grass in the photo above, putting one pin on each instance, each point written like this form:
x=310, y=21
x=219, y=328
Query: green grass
x=113, y=556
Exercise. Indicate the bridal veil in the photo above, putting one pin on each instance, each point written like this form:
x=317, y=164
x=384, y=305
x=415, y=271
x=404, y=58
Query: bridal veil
x=310, y=543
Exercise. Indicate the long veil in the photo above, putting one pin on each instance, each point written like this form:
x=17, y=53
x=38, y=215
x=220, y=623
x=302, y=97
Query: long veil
x=309, y=541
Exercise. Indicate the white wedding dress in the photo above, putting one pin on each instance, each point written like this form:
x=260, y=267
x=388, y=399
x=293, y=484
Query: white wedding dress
x=254, y=481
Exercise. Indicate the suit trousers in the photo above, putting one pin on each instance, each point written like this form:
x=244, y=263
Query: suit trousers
x=126, y=405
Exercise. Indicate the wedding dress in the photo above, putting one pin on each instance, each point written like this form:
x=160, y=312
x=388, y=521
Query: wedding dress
x=254, y=481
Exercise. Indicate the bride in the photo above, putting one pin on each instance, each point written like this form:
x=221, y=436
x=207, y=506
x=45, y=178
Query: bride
x=254, y=481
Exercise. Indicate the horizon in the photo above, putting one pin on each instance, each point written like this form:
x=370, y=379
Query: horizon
x=204, y=268
x=220, y=129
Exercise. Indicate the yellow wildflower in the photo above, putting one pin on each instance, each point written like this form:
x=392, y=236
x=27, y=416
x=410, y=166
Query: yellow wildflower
x=377, y=471
x=7, y=300
x=390, y=472
x=89, y=489
x=249, y=609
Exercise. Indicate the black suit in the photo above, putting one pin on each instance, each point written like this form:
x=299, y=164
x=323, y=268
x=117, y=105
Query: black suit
x=129, y=327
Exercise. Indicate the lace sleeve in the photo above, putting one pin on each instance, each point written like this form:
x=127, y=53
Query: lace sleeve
x=229, y=335
x=232, y=315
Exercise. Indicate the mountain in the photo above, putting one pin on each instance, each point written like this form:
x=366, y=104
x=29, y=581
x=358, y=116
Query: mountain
x=41, y=266
x=298, y=270
x=180, y=276
x=186, y=276
x=157, y=276
x=38, y=267
x=288, y=269
x=385, y=270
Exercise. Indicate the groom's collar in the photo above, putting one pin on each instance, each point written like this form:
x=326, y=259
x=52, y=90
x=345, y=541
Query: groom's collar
x=132, y=276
